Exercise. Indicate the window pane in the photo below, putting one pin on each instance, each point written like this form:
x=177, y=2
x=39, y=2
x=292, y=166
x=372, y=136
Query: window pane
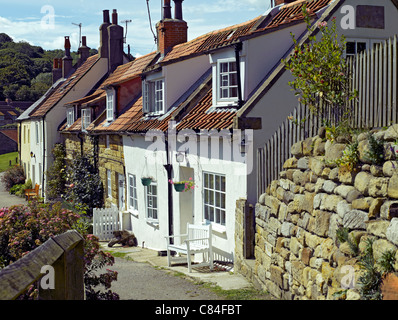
x=218, y=199
x=206, y=213
x=361, y=46
x=233, y=79
x=233, y=92
x=218, y=182
x=232, y=67
x=222, y=205
x=222, y=183
x=224, y=67
x=218, y=219
x=211, y=214
x=350, y=47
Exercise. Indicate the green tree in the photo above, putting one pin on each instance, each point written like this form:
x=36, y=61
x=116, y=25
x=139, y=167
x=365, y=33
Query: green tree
x=320, y=70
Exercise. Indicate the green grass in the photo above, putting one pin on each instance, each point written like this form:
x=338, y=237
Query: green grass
x=5, y=160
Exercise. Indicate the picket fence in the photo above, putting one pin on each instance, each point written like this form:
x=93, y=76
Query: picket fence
x=374, y=74
x=105, y=222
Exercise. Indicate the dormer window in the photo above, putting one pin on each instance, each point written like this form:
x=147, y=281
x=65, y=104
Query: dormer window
x=86, y=118
x=153, y=97
x=227, y=80
x=70, y=116
x=110, y=105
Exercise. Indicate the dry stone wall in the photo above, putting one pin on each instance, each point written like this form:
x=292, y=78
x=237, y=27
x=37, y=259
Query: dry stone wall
x=321, y=192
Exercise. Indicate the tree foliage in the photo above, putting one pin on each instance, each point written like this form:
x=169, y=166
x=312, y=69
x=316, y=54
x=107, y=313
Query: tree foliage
x=319, y=69
x=25, y=70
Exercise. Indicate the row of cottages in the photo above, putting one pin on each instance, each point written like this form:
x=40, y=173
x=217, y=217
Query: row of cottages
x=41, y=121
x=197, y=110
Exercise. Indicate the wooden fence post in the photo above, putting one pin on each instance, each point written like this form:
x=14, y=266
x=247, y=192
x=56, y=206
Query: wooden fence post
x=68, y=271
x=64, y=253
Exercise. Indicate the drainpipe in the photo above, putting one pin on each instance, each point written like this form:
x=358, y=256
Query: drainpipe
x=169, y=169
x=238, y=49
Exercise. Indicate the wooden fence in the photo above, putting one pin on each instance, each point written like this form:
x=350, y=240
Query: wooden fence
x=105, y=222
x=64, y=253
x=374, y=75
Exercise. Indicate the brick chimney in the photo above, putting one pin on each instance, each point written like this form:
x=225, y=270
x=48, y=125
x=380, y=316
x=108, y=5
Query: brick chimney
x=104, y=38
x=67, y=59
x=84, y=51
x=57, y=69
x=279, y=2
x=171, y=32
x=115, y=43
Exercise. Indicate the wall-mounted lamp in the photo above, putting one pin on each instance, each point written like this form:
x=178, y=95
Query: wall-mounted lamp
x=32, y=155
x=243, y=146
x=180, y=156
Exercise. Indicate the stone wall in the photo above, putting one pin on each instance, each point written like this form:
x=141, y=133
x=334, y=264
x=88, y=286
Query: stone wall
x=297, y=252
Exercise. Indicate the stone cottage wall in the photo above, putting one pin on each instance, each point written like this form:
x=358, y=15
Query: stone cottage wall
x=297, y=253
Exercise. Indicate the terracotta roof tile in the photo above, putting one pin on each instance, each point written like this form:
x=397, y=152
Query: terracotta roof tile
x=293, y=11
x=63, y=88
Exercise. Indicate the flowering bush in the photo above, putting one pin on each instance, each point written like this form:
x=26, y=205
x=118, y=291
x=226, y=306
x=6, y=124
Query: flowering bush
x=320, y=70
x=189, y=185
x=24, y=228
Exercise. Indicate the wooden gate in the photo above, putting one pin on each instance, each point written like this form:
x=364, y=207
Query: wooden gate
x=105, y=222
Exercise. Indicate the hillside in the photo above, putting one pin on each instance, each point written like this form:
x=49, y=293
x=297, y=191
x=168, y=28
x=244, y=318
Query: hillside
x=25, y=70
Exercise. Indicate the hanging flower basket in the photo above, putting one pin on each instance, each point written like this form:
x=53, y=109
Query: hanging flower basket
x=183, y=186
x=146, y=181
x=179, y=187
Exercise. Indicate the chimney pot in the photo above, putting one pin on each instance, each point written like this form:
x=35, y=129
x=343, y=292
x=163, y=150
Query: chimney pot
x=178, y=9
x=67, y=43
x=114, y=17
x=166, y=9
x=106, y=16
x=84, y=41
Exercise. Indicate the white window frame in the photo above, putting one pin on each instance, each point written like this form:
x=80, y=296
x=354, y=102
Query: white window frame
x=228, y=86
x=369, y=44
x=132, y=193
x=86, y=118
x=153, y=97
x=109, y=183
x=151, y=210
x=70, y=116
x=214, y=198
x=110, y=105
x=37, y=132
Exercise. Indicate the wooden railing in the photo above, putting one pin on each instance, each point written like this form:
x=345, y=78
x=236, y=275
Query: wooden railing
x=64, y=253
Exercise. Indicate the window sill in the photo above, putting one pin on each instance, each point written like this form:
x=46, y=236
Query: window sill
x=217, y=227
x=153, y=223
x=133, y=212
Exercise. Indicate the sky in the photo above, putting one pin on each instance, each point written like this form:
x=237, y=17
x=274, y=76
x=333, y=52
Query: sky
x=45, y=23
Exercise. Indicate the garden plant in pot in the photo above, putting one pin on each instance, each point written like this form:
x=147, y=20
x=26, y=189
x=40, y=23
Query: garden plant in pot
x=183, y=186
x=146, y=181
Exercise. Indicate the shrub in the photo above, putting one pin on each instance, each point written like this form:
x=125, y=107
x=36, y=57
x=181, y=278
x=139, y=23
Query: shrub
x=12, y=176
x=84, y=184
x=57, y=173
x=24, y=228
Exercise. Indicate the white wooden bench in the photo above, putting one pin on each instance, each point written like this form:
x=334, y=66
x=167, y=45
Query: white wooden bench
x=198, y=240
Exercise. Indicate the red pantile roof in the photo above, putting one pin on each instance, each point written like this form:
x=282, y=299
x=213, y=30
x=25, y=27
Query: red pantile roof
x=202, y=115
x=10, y=133
x=63, y=88
x=293, y=11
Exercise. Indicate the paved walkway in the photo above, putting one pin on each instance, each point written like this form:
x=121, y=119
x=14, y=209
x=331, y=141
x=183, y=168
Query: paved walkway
x=8, y=200
x=221, y=276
